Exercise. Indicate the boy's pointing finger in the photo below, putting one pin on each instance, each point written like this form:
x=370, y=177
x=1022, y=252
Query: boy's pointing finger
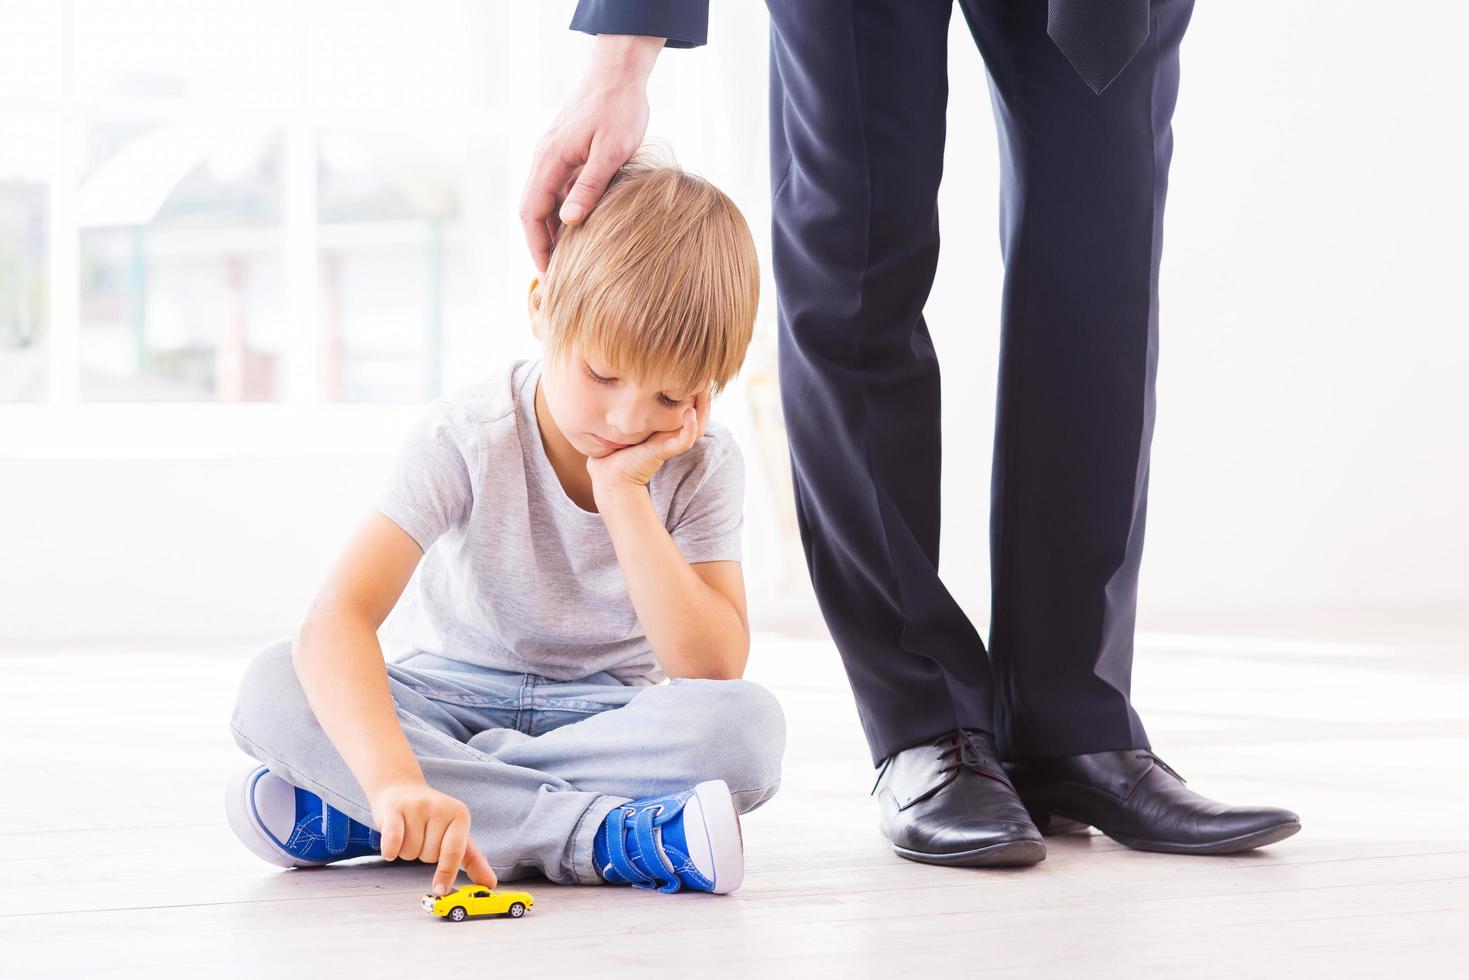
x=478, y=866
x=451, y=855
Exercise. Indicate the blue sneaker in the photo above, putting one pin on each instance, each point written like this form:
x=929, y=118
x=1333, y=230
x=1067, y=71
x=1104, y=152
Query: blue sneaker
x=291, y=827
x=687, y=840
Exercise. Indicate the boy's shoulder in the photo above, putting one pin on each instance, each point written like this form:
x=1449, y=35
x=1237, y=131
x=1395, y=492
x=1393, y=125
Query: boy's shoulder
x=489, y=399
x=465, y=428
x=478, y=410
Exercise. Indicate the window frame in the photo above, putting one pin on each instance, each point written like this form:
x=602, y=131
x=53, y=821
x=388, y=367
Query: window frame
x=61, y=424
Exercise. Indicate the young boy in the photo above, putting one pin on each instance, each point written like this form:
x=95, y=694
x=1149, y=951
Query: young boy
x=575, y=534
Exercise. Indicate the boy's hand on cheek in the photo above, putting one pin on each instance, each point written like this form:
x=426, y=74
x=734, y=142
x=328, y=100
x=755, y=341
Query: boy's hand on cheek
x=633, y=467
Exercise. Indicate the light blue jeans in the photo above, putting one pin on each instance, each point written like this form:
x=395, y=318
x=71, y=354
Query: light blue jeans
x=538, y=762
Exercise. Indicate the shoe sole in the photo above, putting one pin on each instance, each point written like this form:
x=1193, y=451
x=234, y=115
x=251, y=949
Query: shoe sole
x=1010, y=854
x=239, y=806
x=722, y=835
x=1245, y=842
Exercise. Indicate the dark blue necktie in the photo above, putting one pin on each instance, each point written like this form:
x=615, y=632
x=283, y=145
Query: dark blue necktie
x=1098, y=37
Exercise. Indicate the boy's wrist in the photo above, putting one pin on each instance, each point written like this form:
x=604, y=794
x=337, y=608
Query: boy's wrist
x=378, y=783
x=616, y=496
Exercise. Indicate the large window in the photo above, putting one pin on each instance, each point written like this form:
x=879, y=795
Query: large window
x=24, y=215
x=254, y=200
x=239, y=231
x=236, y=229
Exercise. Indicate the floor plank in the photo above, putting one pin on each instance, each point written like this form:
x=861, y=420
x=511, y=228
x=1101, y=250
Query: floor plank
x=115, y=858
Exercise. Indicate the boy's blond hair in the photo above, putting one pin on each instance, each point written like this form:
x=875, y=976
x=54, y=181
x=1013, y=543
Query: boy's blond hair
x=661, y=280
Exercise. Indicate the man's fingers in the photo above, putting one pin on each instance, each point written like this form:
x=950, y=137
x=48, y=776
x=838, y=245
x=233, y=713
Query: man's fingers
x=588, y=188
x=538, y=237
x=451, y=855
x=538, y=233
x=478, y=866
x=538, y=205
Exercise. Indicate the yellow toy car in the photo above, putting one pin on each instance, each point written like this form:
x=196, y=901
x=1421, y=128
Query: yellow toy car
x=461, y=903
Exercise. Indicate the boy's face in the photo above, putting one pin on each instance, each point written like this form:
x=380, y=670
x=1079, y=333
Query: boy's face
x=600, y=411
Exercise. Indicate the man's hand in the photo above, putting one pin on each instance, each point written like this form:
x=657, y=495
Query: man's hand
x=419, y=822
x=634, y=466
x=595, y=133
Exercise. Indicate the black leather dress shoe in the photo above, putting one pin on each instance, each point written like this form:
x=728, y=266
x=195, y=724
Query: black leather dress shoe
x=949, y=802
x=1137, y=799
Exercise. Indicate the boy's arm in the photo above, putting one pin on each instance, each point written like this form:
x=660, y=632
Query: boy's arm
x=340, y=665
x=340, y=662
x=693, y=615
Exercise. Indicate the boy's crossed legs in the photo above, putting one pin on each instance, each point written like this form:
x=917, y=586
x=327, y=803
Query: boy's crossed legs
x=539, y=763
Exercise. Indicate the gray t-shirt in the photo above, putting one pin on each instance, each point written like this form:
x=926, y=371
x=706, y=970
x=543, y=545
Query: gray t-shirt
x=515, y=575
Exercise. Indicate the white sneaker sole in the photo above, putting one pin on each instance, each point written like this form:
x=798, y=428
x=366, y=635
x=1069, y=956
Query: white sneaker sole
x=239, y=806
x=722, y=848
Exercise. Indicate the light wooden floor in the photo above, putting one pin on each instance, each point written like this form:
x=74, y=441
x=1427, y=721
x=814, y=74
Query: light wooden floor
x=115, y=857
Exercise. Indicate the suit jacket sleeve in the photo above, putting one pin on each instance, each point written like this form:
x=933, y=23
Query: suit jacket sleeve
x=684, y=22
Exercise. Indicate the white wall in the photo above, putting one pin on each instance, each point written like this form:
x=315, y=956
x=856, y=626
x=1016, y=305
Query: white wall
x=1310, y=444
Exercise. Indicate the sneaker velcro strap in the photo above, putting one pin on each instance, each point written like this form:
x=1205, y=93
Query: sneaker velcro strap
x=650, y=852
x=617, y=854
x=338, y=828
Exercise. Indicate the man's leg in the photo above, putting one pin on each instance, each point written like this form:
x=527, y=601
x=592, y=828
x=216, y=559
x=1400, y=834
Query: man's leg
x=1084, y=181
x=1085, y=178
x=858, y=95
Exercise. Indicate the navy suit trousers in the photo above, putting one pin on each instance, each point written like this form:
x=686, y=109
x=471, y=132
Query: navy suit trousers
x=858, y=100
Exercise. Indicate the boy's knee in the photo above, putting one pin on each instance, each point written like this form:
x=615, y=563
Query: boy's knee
x=743, y=731
x=270, y=695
